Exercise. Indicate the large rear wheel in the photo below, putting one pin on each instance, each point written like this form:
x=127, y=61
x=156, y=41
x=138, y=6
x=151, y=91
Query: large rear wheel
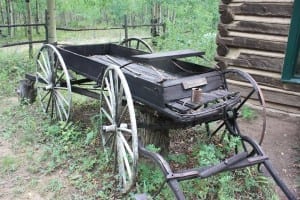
x=118, y=126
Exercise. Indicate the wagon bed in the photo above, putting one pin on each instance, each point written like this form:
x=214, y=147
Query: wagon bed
x=164, y=82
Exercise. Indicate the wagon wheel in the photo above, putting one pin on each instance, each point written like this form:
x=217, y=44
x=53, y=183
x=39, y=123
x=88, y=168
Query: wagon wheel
x=137, y=43
x=248, y=89
x=118, y=126
x=53, y=83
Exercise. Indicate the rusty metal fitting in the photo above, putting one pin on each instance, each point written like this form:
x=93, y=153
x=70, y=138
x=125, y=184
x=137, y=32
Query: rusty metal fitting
x=196, y=95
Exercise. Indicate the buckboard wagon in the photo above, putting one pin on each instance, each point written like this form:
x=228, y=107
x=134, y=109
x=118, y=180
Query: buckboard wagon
x=124, y=77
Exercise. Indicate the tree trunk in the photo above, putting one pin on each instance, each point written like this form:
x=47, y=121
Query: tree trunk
x=1, y=13
x=29, y=28
x=51, y=26
x=152, y=129
x=37, y=19
x=10, y=18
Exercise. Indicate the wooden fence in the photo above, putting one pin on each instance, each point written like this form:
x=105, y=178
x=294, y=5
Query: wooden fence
x=154, y=27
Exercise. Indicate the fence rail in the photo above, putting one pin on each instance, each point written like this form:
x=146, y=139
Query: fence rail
x=125, y=27
x=20, y=25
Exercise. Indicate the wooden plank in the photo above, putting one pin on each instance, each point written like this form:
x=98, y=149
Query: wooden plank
x=260, y=9
x=274, y=20
x=169, y=55
x=254, y=27
x=269, y=79
x=272, y=95
x=234, y=52
x=251, y=43
x=254, y=62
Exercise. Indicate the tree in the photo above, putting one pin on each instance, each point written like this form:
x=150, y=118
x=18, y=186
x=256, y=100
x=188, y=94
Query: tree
x=2, y=13
x=9, y=13
x=37, y=19
x=29, y=28
x=51, y=26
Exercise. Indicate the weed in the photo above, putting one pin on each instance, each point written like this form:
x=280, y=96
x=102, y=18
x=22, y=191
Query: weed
x=152, y=148
x=54, y=185
x=9, y=164
x=248, y=113
x=178, y=158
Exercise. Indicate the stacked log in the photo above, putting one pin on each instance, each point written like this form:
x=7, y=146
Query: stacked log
x=253, y=37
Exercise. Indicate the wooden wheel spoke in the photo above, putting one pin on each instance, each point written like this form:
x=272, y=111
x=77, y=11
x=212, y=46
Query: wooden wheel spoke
x=125, y=143
x=49, y=101
x=123, y=113
x=59, y=78
x=44, y=70
x=112, y=90
x=121, y=166
x=106, y=115
x=43, y=78
x=62, y=97
x=52, y=106
x=47, y=64
x=62, y=104
x=109, y=138
x=108, y=104
x=58, y=107
x=124, y=158
x=110, y=95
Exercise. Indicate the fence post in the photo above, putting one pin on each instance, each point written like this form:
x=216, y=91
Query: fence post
x=29, y=29
x=46, y=27
x=125, y=27
x=51, y=22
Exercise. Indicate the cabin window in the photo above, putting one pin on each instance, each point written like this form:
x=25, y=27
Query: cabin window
x=291, y=68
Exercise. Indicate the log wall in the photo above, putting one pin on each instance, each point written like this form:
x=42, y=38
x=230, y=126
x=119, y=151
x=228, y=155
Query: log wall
x=253, y=37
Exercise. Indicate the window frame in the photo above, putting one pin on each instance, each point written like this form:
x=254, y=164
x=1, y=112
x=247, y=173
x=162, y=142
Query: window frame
x=293, y=47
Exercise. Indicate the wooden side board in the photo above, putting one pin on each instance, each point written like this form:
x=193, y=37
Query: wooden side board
x=273, y=96
x=252, y=43
x=254, y=27
x=251, y=61
x=256, y=9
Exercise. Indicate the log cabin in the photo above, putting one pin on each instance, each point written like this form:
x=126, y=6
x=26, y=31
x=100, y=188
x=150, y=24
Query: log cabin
x=262, y=37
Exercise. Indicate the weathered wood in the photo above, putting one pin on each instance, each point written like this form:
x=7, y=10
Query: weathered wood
x=222, y=49
x=269, y=80
x=273, y=95
x=223, y=30
x=152, y=129
x=251, y=43
x=222, y=64
x=260, y=9
x=226, y=15
x=226, y=1
x=254, y=27
x=254, y=62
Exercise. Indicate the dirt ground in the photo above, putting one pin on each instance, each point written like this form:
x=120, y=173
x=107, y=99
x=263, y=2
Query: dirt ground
x=281, y=144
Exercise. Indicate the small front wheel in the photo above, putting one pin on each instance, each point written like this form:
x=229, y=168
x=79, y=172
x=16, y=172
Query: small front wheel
x=53, y=83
